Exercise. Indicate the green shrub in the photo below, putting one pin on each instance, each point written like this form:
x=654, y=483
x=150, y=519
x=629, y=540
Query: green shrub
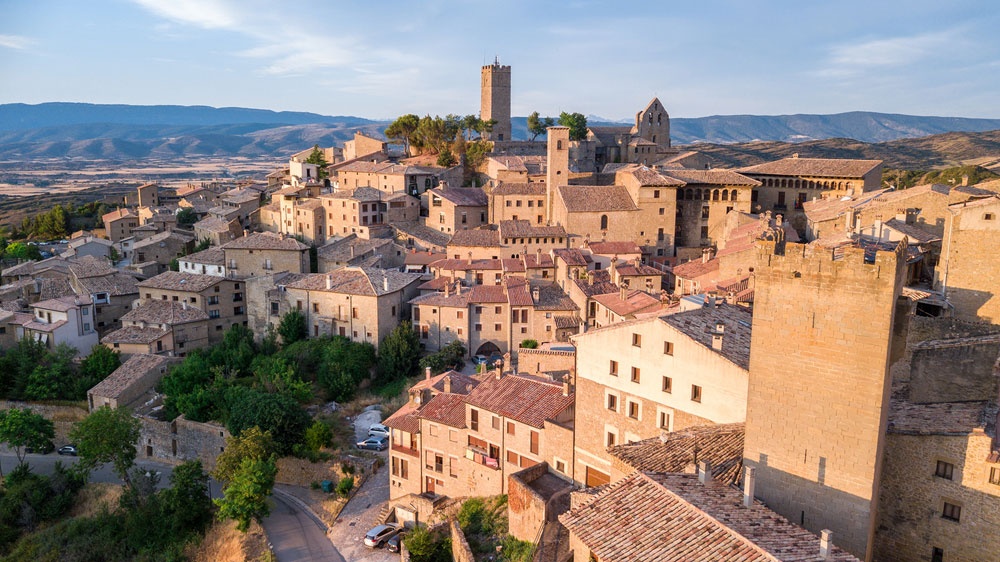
x=345, y=486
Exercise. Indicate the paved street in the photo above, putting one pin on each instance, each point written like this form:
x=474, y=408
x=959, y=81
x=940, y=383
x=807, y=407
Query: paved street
x=295, y=535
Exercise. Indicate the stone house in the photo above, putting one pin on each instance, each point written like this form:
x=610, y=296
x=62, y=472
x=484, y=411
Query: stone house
x=452, y=209
x=218, y=231
x=262, y=252
x=516, y=169
x=705, y=200
x=387, y=177
x=162, y=249
x=222, y=299
x=129, y=383
x=360, y=303
x=639, y=378
x=210, y=261
x=514, y=201
x=111, y=291
x=968, y=271
x=353, y=250
x=88, y=246
x=160, y=327
x=362, y=145
x=118, y=224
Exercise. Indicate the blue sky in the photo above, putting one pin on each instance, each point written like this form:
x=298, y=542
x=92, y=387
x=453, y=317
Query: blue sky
x=382, y=59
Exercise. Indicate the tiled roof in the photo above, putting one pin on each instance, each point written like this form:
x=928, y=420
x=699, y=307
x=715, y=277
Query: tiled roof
x=452, y=300
x=361, y=193
x=135, y=334
x=241, y=195
x=940, y=418
x=602, y=284
x=44, y=326
x=116, y=214
x=710, y=177
x=519, y=189
x=174, y=236
x=214, y=224
x=357, y=281
x=596, y=198
x=480, y=237
x=526, y=400
x=916, y=234
x=614, y=248
x=63, y=304
x=266, y=241
x=340, y=251
x=422, y=258
x=680, y=451
x=523, y=229
x=463, y=196
x=488, y=294
x=213, y=255
x=651, y=517
x=90, y=266
x=467, y=265
x=422, y=232
x=650, y=178
x=538, y=261
x=404, y=419
x=696, y=269
x=117, y=284
x=551, y=297
x=164, y=312
x=518, y=292
x=571, y=256
x=606, y=135
x=448, y=409
x=630, y=268
x=568, y=321
x=177, y=281
x=635, y=302
x=700, y=323
x=816, y=167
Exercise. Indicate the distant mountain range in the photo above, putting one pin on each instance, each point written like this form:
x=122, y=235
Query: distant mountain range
x=127, y=132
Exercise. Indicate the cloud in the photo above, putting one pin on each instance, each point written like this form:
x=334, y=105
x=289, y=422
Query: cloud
x=856, y=58
x=15, y=42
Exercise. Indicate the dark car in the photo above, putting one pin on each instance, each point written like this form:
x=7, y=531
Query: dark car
x=378, y=536
x=392, y=545
x=68, y=450
x=374, y=444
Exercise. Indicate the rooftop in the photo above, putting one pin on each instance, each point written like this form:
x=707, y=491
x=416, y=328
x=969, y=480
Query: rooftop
x=214, y=224
x=596, y=198
x=680, y=451
x=350, y=247
x=633, y=303
x=357, y=281
x=710, y=177
x=90, y=266
x=63, y=304
x=524, y=229
x=527, y=400
x=673, y=517
x=519, y=189
x=177, y=281
x=266, y=241
x=816, y=167
x=700, y=324
x=463, y=196
x=607, y=248
x=480, y=237
x=213, y=255
x=421, y=232
x=164, y=312
x=116, y=284
x=135, y=335
x=174, y=236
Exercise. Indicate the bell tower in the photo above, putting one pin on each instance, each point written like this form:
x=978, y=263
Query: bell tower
x=495, y=100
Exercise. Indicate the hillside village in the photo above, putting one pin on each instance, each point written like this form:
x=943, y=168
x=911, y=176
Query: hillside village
x=667, y=360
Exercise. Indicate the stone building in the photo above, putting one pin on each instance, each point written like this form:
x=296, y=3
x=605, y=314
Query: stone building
x=353, y=250
x=210, y=261
x=968, y=272
x=162, y=249
x=360, y=303
x=262, y=252
x=387, y=177
x=516, y=169
x=160, y=327
x=111, y=291
x=820, y=466
x=68, y=320
x=118, y=224
x=129, y=383
x=222, y=299
x=218, y=231
x=495, y=101
x=452, y=209
x=705, y=201
x=640, y=378
x=513, y=201
x=362, y=145
x=643, y=143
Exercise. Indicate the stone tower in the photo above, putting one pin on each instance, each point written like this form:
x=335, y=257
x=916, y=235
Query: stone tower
x=496, y=100
x=653, y=123
x=819, y=387
x=556, y=165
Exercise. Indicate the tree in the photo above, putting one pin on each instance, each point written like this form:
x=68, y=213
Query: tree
x=23, y=428
x=538, y=125
x=317, y=157
x=186, y=217
x=475, y=153
x=96, y=367
x=187, y=498
x=254, y=444
x=107, y=436
x=245, y=497
x=292, y=327
x=277, y=413
x=577, y=124
x=445, y=158
x=318, y=436
x=399, y=353
x=54, y=377
x=22, y=251
x=403, y=130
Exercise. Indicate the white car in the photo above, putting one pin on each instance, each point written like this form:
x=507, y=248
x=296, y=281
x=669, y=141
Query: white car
x=379, y=430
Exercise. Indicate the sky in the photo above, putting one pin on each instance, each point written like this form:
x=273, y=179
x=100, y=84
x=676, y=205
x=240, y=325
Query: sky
x=380, y=59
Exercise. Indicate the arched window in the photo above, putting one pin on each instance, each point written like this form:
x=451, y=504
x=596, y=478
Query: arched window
x=559, y=144
x=688, y=194
x=715, y=195
x=735, y=193
x=604, y=222
x=705, y=194
x=725, y=195
x=659, y=118
x=697, y=194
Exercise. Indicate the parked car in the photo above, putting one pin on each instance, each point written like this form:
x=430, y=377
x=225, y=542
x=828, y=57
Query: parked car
x=68, y=450
x=374, y=444
x=392, y=545
x=479, y=360
x=379, y=430
x=378, y=536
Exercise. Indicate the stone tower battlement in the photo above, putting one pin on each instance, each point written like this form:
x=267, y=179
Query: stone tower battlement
x=495, y=101
x=776, y=257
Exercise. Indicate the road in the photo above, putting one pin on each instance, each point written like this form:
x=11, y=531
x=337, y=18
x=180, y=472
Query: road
x=293, y=533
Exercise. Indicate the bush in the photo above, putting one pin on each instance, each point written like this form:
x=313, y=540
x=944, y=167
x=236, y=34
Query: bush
x=318, y=436
x=529, y=344
x=345, y=486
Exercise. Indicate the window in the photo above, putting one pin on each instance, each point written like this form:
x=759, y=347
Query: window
x=496, y=422
x=533, y=443
x=635, y=374
x=604, y=222
x=668, y=385
x=695, y=393
x=511, y=457
x=636, y=340
x=213, y=313
x=951, y=511
x=497, y=327
x=614, y=369
x=611, y=439
x=315, y=307
x=633, y=410
x=474, y=419
x=945, y=470
x=664, y=421
x=612, y=402
x=937, y=554
x=560, y=466
x=989, y=216
x=479, y=327
x=498, y=310
x=995, y=476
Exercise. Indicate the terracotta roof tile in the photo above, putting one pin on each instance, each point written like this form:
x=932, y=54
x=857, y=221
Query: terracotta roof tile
x=635, y=302
x=609, y=248
x=519, y=189
x=816, y=167
x=463, y=196
x=679, y=451
x=164, y=312
x=265, y=241
x=524, y=229
x=596, y=198
x=448, y=409
x=177, y=281
x=572, y=256
x=134, y=334
x=710, y=177
x=484, y=238
x=526, y=400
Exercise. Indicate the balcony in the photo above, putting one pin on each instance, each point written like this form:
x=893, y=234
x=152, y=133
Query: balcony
x=479, y=456
x=405, y=450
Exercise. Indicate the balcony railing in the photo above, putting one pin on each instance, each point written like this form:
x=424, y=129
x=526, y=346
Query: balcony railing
x=406, y=450
x=478, y=456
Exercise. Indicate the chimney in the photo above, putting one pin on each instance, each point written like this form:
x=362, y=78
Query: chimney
x=590, y=278
x=329, y=282
x=706, y=255
x=246, y=233
x=826, y=544
x=535, y=293
x=499, y=373
x=623, y=293
x=749, y=481
x=447, y=385
x=538, y=256
x=470, y=258
x=720, y=330
x=705, y=472
x=385, y=283
x=447, y=289
x=565, y=381
x=352, y=250
x=638, y=262
x=427, y=373
x=965, y=179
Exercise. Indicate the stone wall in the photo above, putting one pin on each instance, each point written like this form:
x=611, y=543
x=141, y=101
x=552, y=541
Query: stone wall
x=526, y=508
x=460, y=550
x=538, y=361
x=954, y=370
x=816, y=441
x=181, y=440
